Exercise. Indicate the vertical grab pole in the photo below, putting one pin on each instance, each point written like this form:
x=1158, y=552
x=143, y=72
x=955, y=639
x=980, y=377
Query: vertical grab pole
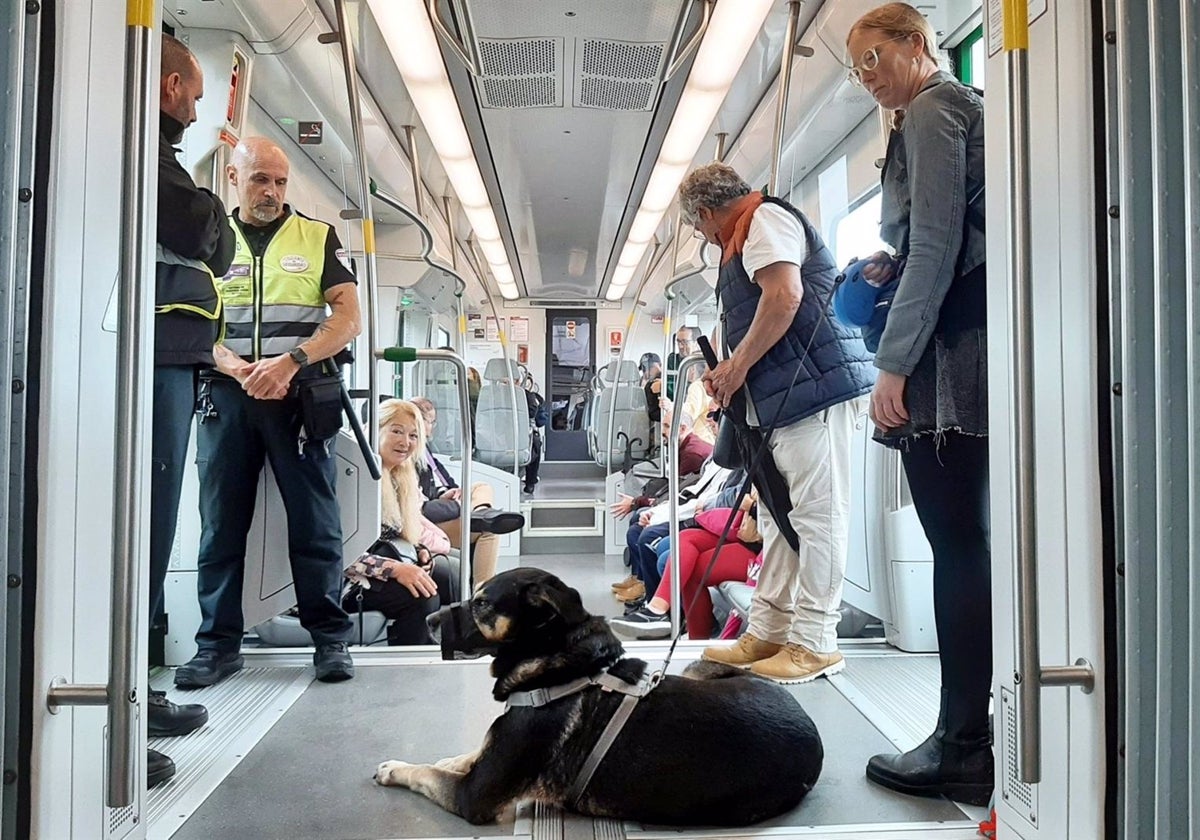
x=785, y=84
x=402, y=355
x=685, y=367
x=136, y=236
x=368, y=222
x=1020, y=266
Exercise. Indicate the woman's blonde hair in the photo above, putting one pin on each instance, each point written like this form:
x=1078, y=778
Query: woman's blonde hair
x=898, y=20
x=401, y=491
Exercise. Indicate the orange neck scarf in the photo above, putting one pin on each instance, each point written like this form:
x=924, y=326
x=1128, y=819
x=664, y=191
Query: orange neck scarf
x=733, y=233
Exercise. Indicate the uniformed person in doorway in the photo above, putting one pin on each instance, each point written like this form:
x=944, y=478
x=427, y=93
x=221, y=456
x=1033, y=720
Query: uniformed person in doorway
x=194, y=245
x=290, y=305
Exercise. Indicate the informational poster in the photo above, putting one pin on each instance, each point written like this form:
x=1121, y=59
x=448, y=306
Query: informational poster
x=522, y=351
x=518, y=327
x=475, y=326
x=616, y=337
x=657, y=319
x=994, y=21
x=492, y=330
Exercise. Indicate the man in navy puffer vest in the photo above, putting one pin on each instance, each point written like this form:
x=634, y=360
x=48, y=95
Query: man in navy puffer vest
x=774, y=288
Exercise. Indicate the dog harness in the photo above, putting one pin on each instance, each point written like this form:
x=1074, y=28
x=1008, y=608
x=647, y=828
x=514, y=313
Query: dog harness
x=607, y=682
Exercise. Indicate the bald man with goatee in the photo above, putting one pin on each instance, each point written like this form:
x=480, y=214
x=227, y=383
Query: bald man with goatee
x=290, y=307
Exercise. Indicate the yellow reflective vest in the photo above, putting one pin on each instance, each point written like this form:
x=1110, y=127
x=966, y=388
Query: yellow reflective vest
x=275, y=302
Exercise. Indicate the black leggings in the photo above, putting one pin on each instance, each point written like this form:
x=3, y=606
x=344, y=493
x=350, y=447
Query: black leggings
x=949, y=484
x=406, y=611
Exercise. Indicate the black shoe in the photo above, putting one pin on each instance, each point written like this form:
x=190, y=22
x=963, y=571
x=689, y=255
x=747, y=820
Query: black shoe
x=962, y=772
x=159, y=768
x=165, y=719
x=491, y=521
x=645, y=623
x=636, y=604
x=208, y=667
x=333, y=663
x=527, y=489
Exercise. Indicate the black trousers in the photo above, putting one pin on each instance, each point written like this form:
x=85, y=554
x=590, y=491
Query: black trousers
x=174, y=403
x=535, y=459
x=948, y=477
x=406, y=611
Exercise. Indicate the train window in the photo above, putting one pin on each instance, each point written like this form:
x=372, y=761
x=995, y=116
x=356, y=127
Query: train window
x=856, y=233
x=970, y=58
x=443, y=337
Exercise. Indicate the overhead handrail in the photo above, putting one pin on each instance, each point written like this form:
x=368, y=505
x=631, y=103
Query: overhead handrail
x=136, y=258
x=363, y=214
x=1031, y=675
x=426, y=237
x=451, y=41
x=785, y=85
x=690, y=361
x=677, y=60
x=403, y=355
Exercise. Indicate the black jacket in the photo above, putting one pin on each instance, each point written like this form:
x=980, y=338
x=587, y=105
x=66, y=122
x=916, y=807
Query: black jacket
x=432, y=486
x=193, y=224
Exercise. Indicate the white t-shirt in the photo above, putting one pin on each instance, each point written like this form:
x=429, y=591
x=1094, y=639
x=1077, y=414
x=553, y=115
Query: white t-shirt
x=775, y=235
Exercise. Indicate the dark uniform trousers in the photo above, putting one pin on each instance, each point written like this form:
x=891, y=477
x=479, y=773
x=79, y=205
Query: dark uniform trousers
x=174, y=403
x=232, y=447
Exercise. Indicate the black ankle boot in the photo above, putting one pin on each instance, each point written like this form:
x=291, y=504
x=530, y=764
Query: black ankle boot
x=962, y=772
x=950, y=762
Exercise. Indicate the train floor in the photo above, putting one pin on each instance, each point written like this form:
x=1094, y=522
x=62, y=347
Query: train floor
x=284, y=756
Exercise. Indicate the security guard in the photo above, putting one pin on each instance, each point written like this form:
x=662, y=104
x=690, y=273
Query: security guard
x=194, y=241
x=268, y=400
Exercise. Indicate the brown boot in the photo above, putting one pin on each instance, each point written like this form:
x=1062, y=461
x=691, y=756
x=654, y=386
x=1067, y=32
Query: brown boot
x=797, y=664
x=625, y=584
x=632, y=593
x=743, y=653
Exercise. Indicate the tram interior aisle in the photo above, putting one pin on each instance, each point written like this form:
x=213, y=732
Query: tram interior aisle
x=287, y=757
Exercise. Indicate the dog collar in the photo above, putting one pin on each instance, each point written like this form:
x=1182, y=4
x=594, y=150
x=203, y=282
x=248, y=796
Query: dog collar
x=541, y=696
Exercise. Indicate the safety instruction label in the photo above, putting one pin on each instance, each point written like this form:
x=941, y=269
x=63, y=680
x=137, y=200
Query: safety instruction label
x=993, y=22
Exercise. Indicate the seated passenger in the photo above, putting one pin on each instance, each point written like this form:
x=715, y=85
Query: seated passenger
x=651, y=367
x=405, y=592
x=651, y=524
x=697, y=545
x=539, y=416
x=693, y=454
x=443, y=506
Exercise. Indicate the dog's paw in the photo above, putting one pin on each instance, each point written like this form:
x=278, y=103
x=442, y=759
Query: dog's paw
x=393, y=774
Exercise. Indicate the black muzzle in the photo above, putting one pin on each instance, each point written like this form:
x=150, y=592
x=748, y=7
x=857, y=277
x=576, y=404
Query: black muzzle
x=455, y=630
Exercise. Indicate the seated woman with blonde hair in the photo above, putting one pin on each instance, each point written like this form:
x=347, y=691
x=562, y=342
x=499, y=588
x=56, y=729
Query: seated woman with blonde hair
x=397, y=576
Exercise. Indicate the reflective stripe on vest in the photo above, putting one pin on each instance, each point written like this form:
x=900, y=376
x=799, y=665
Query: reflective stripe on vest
x=184, y=291
x=275, y=302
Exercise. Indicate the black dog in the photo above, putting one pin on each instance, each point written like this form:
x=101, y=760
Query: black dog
x=717, y=746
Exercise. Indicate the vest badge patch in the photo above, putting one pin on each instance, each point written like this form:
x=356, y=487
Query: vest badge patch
x=293, y=263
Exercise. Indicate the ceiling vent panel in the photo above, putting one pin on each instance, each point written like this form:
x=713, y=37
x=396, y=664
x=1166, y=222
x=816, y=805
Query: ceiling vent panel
x=520, y=73
x=618, y=75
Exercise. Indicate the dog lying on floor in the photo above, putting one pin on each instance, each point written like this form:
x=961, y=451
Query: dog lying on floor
x=716, y=746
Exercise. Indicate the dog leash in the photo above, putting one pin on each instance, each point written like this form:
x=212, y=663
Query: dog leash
x=607, y=682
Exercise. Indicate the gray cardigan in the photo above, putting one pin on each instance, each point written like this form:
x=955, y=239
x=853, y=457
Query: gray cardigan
x=935, y=163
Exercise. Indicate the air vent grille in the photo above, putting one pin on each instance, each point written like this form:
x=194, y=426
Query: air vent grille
x=520, y=73
x=1022, y=796
x=621, y=60
x=618, y=75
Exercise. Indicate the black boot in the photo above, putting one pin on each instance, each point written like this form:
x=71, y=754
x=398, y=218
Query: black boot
x=943, y=765
x=488, y=520
x=159, y=768
x=165, y=719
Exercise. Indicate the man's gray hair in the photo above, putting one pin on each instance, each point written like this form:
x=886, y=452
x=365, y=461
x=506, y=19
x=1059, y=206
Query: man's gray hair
x=712, y=185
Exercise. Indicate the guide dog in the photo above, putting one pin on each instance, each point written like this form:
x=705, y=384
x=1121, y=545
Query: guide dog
x=717, y=746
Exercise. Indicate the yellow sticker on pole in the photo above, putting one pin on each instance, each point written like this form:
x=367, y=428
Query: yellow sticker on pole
x=139, y=13
x=462, y=324
x=629, y=322
x=368, y=229
x=1016, y=25
x=666, y=325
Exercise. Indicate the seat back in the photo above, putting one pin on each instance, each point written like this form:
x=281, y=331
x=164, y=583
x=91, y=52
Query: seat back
x=439, y=384
x=622, y=387
x=494, y=428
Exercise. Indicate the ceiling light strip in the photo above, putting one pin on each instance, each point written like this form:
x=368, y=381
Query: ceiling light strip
x=732, y=31
x=406, y=29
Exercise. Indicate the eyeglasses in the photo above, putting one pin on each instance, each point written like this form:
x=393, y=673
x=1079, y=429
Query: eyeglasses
x=869, y=60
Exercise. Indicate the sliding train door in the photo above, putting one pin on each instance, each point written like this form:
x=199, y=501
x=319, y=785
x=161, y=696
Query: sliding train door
x=1048, y=396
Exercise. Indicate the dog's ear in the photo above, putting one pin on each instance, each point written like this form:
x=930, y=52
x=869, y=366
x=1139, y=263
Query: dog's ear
x=552, y=594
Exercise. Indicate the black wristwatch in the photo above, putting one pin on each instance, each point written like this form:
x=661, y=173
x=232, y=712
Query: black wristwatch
x=299, y=356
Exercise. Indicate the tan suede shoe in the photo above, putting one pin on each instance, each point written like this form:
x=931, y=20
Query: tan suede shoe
x=743, y=653
x=631, y=593
x=797, y=664
x=625, y=584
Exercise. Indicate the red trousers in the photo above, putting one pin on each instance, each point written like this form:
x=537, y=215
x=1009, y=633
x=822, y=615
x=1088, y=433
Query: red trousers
x=694, y=553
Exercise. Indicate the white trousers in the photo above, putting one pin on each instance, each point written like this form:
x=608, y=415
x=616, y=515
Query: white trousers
x=799, y=593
